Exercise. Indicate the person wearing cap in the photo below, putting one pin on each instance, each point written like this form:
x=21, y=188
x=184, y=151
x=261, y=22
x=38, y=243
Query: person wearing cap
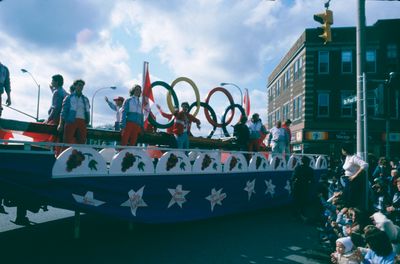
x=181, y=128
x=132, y=117
x=75, y=115
x=117, y=107
x=5, y=85
x=286, y=126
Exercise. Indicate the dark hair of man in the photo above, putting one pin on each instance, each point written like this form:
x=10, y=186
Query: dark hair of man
x=79, y=81
x=58, y=79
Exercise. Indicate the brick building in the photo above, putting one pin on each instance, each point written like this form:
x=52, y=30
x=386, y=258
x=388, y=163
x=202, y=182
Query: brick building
x=312, y=80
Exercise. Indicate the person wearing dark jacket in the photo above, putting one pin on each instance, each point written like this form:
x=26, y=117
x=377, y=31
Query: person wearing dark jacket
x=301, y=183
x=242, y=134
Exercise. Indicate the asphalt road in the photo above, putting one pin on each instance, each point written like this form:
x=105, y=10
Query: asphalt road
x=268, y=236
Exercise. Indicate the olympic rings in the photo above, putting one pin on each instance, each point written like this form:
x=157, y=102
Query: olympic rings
x=195, y=89
x=207, y=114
x=176, y=103
x=232, y=106
x=213, y=115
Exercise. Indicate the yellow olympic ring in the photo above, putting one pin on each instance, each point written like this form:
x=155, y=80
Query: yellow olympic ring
x=195, y=89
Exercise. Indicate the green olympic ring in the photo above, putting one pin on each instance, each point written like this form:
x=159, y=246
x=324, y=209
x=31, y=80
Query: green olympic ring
x=230, y=107
x=207, y=114
x=213, y=115
x=176, y=103
x=195, y=89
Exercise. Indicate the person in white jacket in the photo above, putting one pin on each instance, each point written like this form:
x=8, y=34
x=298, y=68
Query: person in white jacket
x=277, y=138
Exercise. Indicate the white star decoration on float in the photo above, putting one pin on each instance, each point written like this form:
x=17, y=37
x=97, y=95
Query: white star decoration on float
x=178, y=196
x=288, y=187
x=250, y=185
x=88, y=199
x=135, y=200
x=216, y=197
x=270, y=188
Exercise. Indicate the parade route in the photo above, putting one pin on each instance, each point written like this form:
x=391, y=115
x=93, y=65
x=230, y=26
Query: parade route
x=268, y=236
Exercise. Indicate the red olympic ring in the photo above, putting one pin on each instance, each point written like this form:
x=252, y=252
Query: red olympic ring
x=207, y=114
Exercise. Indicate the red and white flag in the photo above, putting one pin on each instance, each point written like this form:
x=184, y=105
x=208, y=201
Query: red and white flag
x=147, y=98
x=246, y=102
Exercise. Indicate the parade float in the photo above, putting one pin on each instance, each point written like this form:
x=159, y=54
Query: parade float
x=154, y=183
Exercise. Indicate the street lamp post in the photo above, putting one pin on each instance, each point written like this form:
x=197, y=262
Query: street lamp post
x=91, y=114
x=240, y=90
x=38, y=96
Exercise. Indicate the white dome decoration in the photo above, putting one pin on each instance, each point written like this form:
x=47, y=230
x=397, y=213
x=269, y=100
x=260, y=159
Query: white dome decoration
x=277, y=163
x=174, y=162
x=79, y=162
x=259, y=163
x=321, y=163
x=293, y=162
x=208, y=162
x=108, y=154
x=131, y=162
x=236, y=162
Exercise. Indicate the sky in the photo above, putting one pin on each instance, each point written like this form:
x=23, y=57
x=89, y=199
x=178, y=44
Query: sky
x=106, y=42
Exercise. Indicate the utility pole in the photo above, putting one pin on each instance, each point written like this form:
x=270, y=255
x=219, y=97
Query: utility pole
x=360, y=47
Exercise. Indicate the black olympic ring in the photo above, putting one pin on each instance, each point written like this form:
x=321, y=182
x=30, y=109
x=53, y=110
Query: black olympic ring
x=176, y=103
x=238, y=106
x=213, y=115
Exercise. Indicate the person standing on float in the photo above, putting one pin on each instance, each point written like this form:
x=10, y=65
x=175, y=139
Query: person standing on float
x=132, y=117
x=75, y=115
x=182, y=126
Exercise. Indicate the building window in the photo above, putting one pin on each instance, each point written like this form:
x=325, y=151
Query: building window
x=297, y=108
x=323, y=62
x=370, y=62
x=295, y=70
x=323, y=104
x=270, y=121
x=277, y=115
x=270, y=98
x=285, y=111
x=392, y=51
x=346, y=110
x=347, y=66
x=300, y=72
x=278, y=88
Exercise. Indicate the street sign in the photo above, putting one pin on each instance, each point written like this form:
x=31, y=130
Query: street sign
x=349, y=100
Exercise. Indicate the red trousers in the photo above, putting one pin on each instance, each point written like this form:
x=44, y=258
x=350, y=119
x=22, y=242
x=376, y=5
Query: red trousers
x=75, y=132
x=130, y=134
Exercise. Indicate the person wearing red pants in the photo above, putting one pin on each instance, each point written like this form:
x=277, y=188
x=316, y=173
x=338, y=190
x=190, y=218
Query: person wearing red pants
x=75, y=115
x=132, y=117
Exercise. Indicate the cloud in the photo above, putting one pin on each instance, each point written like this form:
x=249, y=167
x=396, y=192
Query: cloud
x=52, y=24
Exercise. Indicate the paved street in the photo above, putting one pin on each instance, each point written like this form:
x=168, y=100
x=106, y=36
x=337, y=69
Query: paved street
x=268, y=236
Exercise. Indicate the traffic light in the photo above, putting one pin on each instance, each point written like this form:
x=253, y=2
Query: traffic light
x=326, y=19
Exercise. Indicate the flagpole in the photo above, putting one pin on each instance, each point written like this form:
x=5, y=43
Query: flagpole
x=145, y=67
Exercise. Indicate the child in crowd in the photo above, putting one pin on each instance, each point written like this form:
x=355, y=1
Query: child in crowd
x=344, y=253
